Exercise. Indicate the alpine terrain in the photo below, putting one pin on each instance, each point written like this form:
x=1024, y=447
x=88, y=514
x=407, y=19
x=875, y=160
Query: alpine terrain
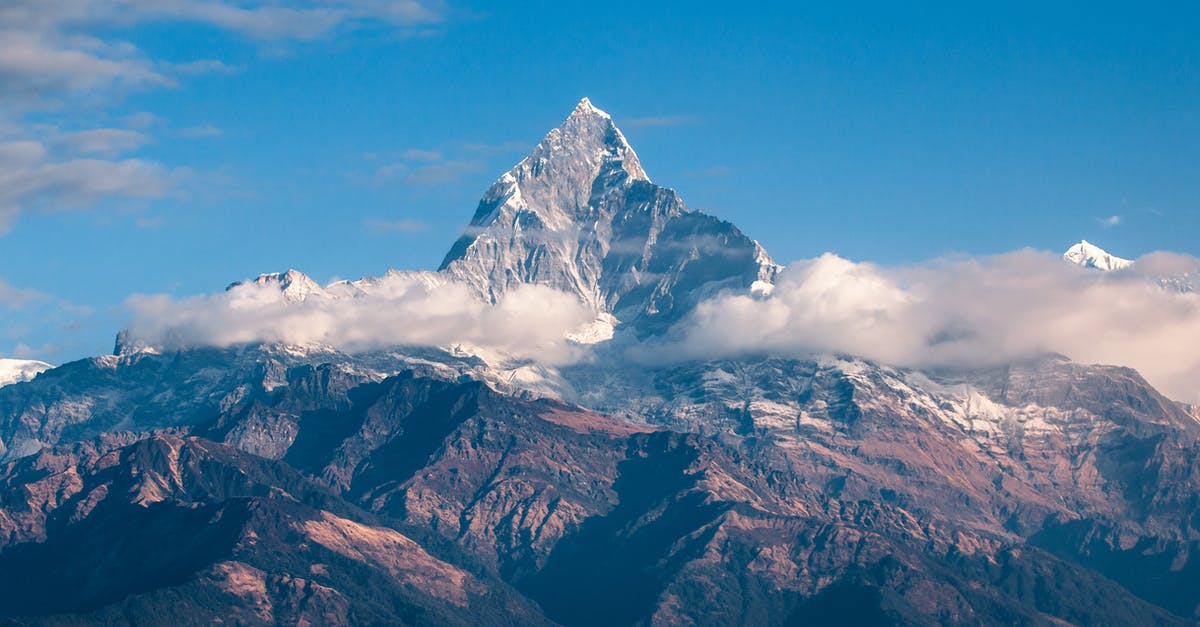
x=282, y=483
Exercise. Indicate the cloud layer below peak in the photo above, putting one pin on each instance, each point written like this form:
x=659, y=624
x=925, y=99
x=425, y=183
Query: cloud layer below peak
x=964, y=312
x=529, y=323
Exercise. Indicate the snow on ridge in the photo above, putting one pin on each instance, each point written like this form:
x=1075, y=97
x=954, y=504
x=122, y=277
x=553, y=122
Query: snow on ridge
x=18, y=370
x=1089, y=255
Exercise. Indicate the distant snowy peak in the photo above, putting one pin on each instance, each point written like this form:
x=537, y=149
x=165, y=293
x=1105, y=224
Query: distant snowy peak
x=295, y=285
x=381, y=284
x=18, y=370
x=1090, y=255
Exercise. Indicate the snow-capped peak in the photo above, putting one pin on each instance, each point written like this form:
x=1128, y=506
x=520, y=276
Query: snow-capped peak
x=295, y=285
x=1089, y=255
x=585, y=107
x=17, y=370
x=580, y=215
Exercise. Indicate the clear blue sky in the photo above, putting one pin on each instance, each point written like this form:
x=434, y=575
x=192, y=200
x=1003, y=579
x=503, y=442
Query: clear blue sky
x=342, y=144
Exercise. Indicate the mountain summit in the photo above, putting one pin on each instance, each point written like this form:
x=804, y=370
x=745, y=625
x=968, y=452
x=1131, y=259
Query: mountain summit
x=1089, y=255
x=579, y=214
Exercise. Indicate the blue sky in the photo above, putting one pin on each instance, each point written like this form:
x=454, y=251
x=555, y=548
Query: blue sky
x=177, y=149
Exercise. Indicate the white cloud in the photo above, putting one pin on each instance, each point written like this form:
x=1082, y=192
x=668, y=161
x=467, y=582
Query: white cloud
x=414, y=154
x=1110, y=221
x=49, y=49
x=58, y=56
x=659, y=121
x=528, y=323
x=104, y=141
x=384, y=227
x=962, y=313
x=426, y=168
x=36, y=65
x=30, y=177
x=13, y=297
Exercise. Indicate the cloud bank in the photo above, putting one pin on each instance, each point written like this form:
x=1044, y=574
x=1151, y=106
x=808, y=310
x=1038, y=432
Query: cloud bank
x=529, y=323
x=965, y=312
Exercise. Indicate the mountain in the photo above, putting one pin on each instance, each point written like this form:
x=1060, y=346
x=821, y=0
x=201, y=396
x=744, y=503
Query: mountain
x=1089, y=255
x=580, y=214
x=17, y=370
x=267, y=484
x=876, y=503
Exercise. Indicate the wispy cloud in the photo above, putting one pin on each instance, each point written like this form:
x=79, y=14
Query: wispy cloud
x=425, y=168
x=58, y=56
x=13, y=297
x=32, y=177
x=414, y=154
x=150, y=222
x=105, y=141
x=31, y=316
x=202, y=66
x=54, y=49
x=659, y=121
x=1110, y=221
x=385, y=227
x=498, y=148
x=442, y=172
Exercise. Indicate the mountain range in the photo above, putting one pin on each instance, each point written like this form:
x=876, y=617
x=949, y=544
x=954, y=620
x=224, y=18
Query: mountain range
x=266, y=482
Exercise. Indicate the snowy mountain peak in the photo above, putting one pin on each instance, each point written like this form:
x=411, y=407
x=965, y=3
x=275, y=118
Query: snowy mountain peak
x=1089, y=255
x=293, y=284
x=580, y=215
x=586, y=108
x=590, y=136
